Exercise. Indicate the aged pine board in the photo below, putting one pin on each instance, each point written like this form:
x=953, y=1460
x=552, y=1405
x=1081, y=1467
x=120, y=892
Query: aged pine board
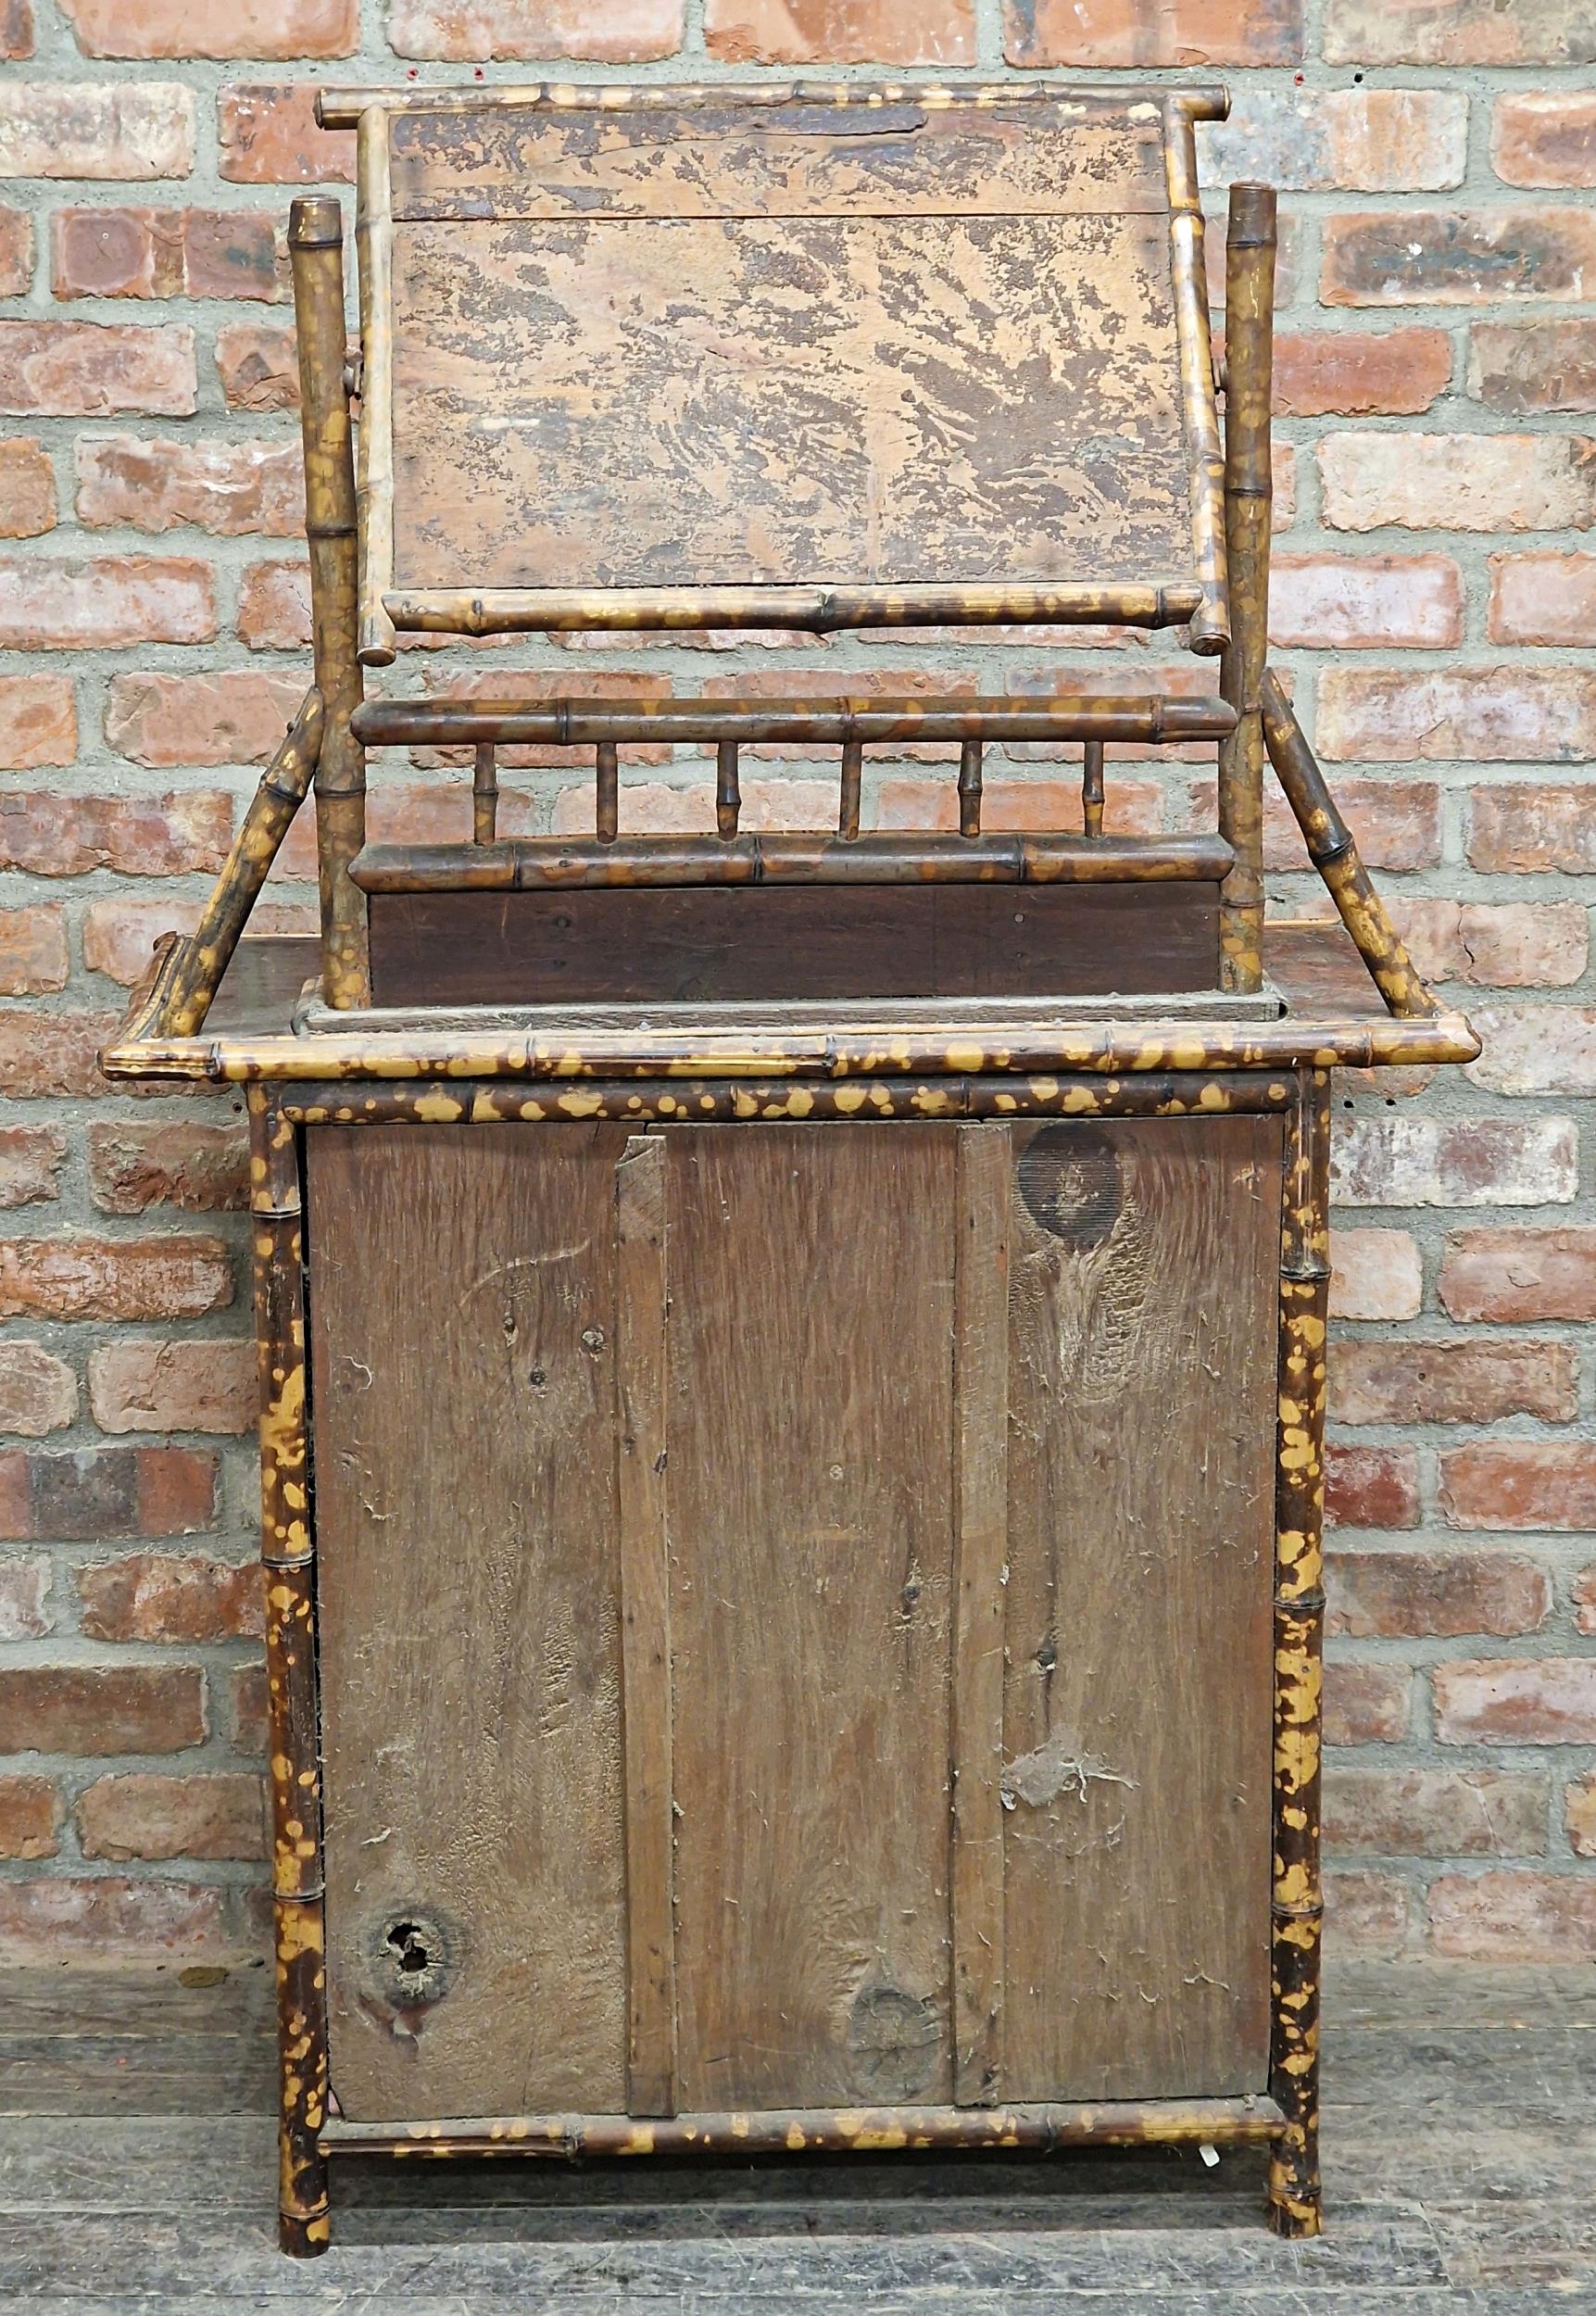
x=1143, y=1257
x=810, y=1528
x=691, y=402
x=462, y=1293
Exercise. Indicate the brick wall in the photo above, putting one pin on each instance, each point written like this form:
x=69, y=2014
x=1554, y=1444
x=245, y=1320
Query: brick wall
x=1437, y=367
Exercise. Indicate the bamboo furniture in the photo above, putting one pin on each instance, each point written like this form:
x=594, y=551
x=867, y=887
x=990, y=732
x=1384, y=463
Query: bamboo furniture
x=791, y=1364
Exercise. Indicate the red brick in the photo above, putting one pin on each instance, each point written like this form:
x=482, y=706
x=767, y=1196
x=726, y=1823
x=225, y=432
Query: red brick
x=840, y=32
x=1435, y=1813
x=1366, y=1704
x=1520, y=1274
x=1476, y=715
x=267, y=136
x=1497, y=945
x=1410, y=1381
x=1134, y=807
x=1397, y=825
x=97, y=370
x=100, y=1492
x=257, y=367
x=1544, y=137
x=1585, y=1601
x=264, y=29
x=1521, y=1484
x=1362, y=602
x=1454, y=1162
x=97, y=1710
x=165, y=253
x=1366, y=1913
x=1435, y=1595
x=1512, y=1917
x=38, y=721
x=30, y=1162
x=29, y=1817
x=107, y=1918
x=1368, y=1487
x=164, y=1597
x=1542, y=599
x=27, y=488
x=1152, y=34
x=15, y=28
x=1522, y=366
x=1579, y=1815
x=237, y=718
x=1526, y=828
x=51, y=1056
x=50, y=605
x=1457, y=32
x=250, y=1734
x=16, y=252
x=136, y=1165
x=49, y=835
x=1459, y=481
x=1329, y=139
x=1517, y=1701
x=146, y=1816
x=188, y=1385
x=1375, y=1274
x=110, y=129
x=1360, y=373
x=175, y=1276
x=275, y=607
x=1544, y=1050
x=120, y=935
x=24, y=1590
x=1456, y=257
x=472, y=31
x=38, y=1392
x=225, y=488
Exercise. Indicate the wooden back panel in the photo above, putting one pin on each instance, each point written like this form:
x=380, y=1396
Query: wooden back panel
x=689, y=358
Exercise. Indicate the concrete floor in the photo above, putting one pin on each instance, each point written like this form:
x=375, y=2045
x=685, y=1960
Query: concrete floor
x=137, y=2174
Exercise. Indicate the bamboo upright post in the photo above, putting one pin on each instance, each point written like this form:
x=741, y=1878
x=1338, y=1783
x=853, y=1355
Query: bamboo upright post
x=1249, y=366
x=287, y=1553
x=316, y=249
x=1297, y=1909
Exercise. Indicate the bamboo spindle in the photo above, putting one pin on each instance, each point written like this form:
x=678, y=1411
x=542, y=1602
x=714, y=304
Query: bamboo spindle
x=728, y=793
x=316, y=250
x=1249, y=364
x=970, y=789
x=852, y=781
x=608, y=771
x=485, y=795
x=1092, y=788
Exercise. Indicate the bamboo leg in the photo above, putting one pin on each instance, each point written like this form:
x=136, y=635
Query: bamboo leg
x=1298, y=1907
x=1249, y=363
x=287, y=1553
x=316, y=248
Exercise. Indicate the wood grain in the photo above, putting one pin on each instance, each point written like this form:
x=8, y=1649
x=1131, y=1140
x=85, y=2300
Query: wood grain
x=462, y=1290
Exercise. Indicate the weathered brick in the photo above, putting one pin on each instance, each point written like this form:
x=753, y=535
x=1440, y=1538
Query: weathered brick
x=257, y=367
x=1360, y=373
x=1458, y=482
x=74, y=1277
x=15, y=28
x=1355, y=140
x=1366, y=1913
x=1543, y=599
x=29, y=1817
x=110, y=129
x=1520, y=1274
x=16, y=252
x=166, y=253
x=1397, y=825
x=1585, y=1601
x=1153, y=34
x=265, y=29
x=50, y=1916
x=145, y=1384
x=1517, y=1701
x=1522, y=367
x=149, y=1816
x=51, y=1056
x=1544, y=137
x=1366, y=1704
x=100, y=1492
x=38, y=721
x=841, y=31
x=233, y=717
x=1509, y=1916
x=1435, y=1595
x=1579, y=1815
x=134, y=1165
x=470, y=31
x=1457, y=32
x=30, y=1162
x=1410, y=1381
x=49, y=835
x=1497, y=945
x=1456, y=257
x=1368, y=1487
x=1375, y=1274
x=1435, y=1813
x=24, y=1592
x=249, y=1704
x=167, y=1596
x=1521, y=1484
x=1454, y=1162
x=275, y=607
x=1523, y=828
x=99, y=1709
x=27, y=488
x=47, y=604
x=1474, y=715
x=1352, y=602
x=225, y=488
x=267, y=136
x=97, y=370
x=1536, y=1050
x=38, y=1392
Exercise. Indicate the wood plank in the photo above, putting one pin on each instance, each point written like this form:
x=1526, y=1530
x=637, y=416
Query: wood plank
x=640, y=1309
x=811, y=1333
x=462, y=1312
x=980, y=1549
x=1136, y=1699
x=707, y=403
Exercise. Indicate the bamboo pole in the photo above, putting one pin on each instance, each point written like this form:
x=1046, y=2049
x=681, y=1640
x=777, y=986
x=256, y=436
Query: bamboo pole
x=1210, y=628
x=374, y=242
x=1092, y=789
x=316, y=247
x=485, y=794
x=820, y=610
x=970, y=782
x=852, y=781
x=728, y=791
x=1297, y=1905
x=1249, y=366
x=342, y=107
x=607, y=777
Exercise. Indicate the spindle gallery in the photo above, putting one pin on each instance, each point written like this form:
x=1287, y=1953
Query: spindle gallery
x=792, y=1363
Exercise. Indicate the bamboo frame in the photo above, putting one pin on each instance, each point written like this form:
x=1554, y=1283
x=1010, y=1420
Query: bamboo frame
x=375, y=486
x=1249, y=487
x=1209, y=625
x=345, y=108
x=1160, y=718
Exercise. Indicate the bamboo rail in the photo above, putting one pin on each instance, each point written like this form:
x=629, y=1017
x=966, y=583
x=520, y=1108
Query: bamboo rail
x=1209, y=624
x=342, y=107
x=1248, y=487
x=1158, y=717
x=817, y=611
